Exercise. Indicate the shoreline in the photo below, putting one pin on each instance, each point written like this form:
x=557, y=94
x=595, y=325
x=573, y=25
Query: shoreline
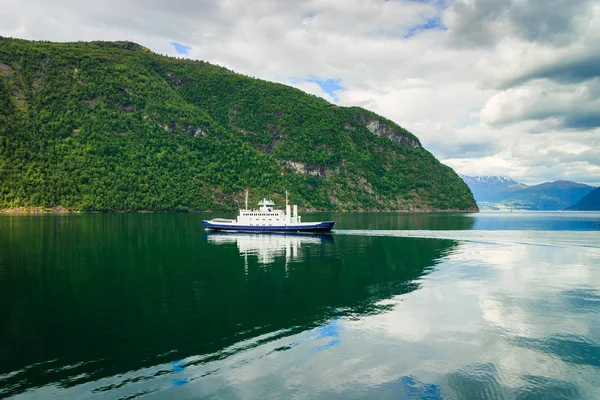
x=63, y=211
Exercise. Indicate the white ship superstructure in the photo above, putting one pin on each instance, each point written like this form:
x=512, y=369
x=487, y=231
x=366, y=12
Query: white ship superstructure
x=267, y=218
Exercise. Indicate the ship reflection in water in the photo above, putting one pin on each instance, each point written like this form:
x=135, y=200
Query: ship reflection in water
x=267, y=247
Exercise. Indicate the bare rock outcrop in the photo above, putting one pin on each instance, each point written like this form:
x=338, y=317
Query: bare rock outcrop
x=380, y=128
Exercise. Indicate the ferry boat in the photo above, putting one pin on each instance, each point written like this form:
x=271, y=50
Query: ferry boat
x=268, y=219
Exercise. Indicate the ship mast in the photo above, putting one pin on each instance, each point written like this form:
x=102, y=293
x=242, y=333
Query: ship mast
x=246, y=200
x=286, y=198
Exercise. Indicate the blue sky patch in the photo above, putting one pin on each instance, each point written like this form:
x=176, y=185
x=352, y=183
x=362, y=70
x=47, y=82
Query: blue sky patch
x=181, y=48
x=431, y=23
x=435, y=3
x=329, y=85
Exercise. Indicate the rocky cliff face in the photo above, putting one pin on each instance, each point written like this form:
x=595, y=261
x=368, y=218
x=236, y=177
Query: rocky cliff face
x=379, y=128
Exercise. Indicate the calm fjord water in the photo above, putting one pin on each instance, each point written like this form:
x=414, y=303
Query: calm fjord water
x=402, y=306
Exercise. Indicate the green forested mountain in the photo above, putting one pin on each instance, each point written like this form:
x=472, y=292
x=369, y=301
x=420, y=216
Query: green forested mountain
x=113, y=126
x=590, y=202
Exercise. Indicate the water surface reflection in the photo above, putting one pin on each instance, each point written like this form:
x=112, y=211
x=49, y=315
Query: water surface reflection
x=267, y=246
x=120, y=305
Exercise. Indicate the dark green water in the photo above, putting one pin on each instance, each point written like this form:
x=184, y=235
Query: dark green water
x=487, y=306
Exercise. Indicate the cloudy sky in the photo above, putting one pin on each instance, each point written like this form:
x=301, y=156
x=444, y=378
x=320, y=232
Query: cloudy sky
x=498, y=87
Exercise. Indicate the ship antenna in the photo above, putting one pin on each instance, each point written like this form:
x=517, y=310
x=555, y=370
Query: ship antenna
x=246, y=199
x=286, y=198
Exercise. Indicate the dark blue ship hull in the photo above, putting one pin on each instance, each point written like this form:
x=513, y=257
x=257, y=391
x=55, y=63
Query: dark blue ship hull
x=316, y=227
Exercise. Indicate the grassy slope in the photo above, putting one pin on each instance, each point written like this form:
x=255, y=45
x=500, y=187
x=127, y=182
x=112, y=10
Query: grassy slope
x=113, y=126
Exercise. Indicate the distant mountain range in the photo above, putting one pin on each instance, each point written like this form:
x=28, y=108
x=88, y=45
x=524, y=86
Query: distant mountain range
x=500, y=192
x=590, y=202
x=491, y=188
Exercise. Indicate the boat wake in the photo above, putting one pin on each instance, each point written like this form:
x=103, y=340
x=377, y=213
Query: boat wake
x=539, y=238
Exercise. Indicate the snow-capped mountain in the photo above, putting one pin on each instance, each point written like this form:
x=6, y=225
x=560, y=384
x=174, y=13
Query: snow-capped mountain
x=489, y=180
x=490, y=187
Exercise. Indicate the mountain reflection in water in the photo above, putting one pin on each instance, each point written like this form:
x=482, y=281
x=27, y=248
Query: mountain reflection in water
x=100, y=303
x=426, y=306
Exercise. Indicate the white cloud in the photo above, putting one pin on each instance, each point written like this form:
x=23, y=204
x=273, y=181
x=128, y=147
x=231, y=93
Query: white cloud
x=505, y=85
x=313, y=88
x=569, y=106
